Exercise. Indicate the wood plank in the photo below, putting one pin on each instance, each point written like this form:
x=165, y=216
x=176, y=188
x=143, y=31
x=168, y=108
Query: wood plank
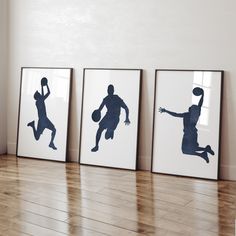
x=49, y=198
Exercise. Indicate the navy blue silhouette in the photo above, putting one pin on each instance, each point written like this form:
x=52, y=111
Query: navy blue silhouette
x=43, y=121
x=111, y=119
x=190, y=144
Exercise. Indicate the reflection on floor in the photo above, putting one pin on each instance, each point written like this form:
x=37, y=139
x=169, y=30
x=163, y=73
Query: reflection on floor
x=51, y=198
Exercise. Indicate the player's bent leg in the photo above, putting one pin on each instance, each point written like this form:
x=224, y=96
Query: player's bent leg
x=109, y=134
x=203, y=154
x=51, y=144
x=37, y=132
x=51, y=127
x=111, y=128
x=98, y=136
x=37, y=135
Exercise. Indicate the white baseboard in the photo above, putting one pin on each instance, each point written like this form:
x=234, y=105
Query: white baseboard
x=228, y=172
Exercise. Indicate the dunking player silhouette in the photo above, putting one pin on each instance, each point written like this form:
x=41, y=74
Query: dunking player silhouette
x=43, y=121
x=190, y=145
x=111, y=119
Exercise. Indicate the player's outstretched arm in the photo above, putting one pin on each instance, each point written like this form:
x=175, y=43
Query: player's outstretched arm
x=162, y=110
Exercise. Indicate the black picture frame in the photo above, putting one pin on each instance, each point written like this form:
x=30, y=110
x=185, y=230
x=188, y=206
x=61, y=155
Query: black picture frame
x=155, y=114
x=112, y=70
x=65, y=74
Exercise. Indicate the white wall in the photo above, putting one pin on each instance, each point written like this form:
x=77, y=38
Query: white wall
x=3, y=75
x=129, y=34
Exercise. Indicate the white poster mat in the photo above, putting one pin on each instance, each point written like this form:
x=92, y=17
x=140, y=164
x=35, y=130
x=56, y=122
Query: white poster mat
x=57, y=104
x=174, y=93
x=121, y=151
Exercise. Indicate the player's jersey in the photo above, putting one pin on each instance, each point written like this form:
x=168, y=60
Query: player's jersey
x=113, y=104
x=41, y=108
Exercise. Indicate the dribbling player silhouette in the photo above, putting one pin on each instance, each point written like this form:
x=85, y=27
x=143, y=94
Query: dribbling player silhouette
x=43, y=121
x=190, y=145
x=111, y=119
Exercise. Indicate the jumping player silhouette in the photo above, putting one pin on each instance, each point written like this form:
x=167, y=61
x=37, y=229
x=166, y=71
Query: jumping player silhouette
x=43, y=121
x=111, y=119
x=190, y=145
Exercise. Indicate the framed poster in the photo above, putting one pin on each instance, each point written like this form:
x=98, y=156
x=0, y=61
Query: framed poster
x=110, y=117
x=186, y=132
x=43, y=113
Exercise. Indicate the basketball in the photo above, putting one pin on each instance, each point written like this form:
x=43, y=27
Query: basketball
x=44, y=81
x=197, y=91
x=96, y=115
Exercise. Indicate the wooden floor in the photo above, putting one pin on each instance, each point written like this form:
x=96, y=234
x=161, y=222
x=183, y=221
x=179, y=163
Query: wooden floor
x=51, y=198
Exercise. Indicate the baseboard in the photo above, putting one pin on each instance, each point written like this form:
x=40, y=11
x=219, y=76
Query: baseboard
x=3, y=150
x=3, y=145
x=228, y=172
x=11, y=148
x=73, y=155
x=144, y=162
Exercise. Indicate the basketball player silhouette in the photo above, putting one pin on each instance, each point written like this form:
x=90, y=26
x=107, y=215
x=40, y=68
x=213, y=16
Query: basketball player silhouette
x=111, y=119
x=190, y=145
x=43, y=121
